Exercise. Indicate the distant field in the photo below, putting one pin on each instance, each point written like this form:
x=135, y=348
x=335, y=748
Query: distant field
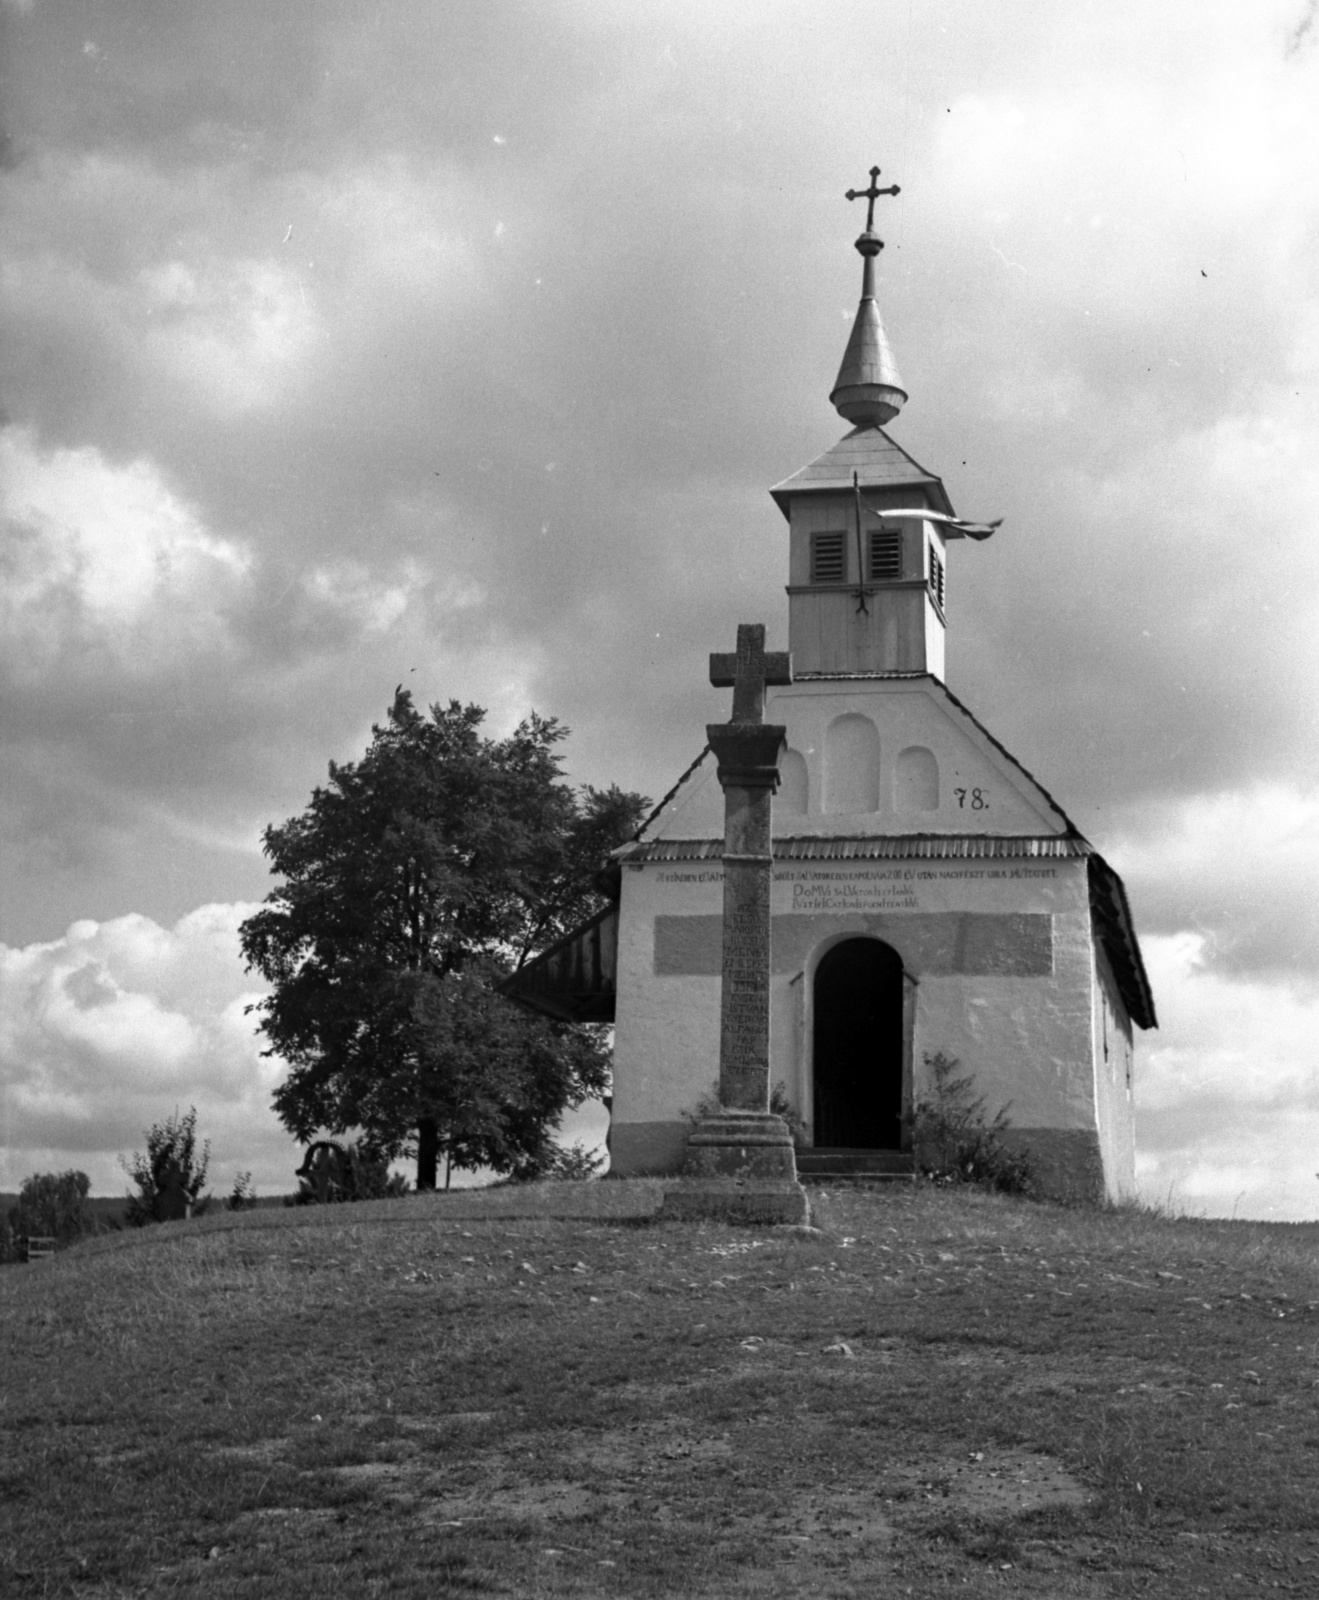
x=108, y=1210
x=940, y=1393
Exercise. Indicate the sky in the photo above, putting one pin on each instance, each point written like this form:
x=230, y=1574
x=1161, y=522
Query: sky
x=457, y=346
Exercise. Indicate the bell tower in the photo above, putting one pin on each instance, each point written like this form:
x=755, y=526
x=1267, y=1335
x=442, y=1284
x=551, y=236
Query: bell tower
x=868, y=525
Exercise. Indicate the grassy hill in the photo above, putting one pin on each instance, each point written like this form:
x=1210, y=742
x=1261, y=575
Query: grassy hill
x=939, y=1393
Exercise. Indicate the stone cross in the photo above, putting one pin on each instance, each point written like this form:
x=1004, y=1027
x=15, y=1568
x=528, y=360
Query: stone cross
x=872, y=194
x=747, y=670
x=740, y=1165
x=748, y=751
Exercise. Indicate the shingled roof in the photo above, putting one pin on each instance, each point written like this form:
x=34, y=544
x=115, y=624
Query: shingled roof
x=878, y=464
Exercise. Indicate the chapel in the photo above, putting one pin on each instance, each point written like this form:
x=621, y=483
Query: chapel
x=931, y=901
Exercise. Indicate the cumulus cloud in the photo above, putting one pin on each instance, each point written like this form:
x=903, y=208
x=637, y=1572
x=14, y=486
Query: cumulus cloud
x=106, y=1030
x=1237, y=870
x=102, y=559
x=1228, y=1091
x=237, y=331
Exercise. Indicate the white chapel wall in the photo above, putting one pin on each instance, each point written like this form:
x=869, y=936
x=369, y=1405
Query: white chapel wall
x=1001, y=951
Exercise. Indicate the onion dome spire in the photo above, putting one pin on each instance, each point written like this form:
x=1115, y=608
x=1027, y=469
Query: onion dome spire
x=869, y=389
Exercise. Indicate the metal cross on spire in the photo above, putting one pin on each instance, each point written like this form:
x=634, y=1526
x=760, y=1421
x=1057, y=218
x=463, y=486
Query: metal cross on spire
x=872, y=194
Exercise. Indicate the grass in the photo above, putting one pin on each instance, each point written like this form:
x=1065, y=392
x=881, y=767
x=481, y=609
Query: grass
x=940, y=1393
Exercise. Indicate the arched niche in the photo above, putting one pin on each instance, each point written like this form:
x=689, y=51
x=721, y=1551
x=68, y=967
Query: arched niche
x=793, y=796
x=916, y=780
x=851, y=765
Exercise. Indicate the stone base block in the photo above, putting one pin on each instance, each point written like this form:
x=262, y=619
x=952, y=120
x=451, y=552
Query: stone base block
x=740, y=1167
x=724, y=1200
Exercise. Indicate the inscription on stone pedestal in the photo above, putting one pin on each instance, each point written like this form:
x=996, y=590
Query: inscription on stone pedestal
x=744, y=1007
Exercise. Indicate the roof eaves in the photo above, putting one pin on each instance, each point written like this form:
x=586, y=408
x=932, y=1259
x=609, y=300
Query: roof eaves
x=575, y=978
x=880, y=847
x=1117, y=932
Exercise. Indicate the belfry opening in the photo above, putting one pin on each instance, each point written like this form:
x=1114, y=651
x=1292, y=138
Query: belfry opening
x=859, y=1054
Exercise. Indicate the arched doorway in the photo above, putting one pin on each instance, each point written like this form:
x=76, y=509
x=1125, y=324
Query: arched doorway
x=858, y=1047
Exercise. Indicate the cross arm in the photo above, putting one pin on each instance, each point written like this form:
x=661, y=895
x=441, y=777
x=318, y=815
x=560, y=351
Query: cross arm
x=723, y=668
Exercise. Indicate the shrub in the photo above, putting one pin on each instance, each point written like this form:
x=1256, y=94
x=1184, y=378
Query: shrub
x=572, y=1163
x=171, y=1176
x=954, y=1141
x=242, y=1197
x=332, y=1174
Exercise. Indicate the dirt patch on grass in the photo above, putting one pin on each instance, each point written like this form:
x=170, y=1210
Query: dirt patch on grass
x=988, y=1484
x=606, y=1470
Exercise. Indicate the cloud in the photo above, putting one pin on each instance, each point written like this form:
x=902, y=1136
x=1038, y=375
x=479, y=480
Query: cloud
x=104, y=560
x=239, y=332
x=106, y=1030
x=1227, y=1092
x=1237, y=870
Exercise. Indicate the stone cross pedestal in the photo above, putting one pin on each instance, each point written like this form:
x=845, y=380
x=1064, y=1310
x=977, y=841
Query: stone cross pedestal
x=740, y=1164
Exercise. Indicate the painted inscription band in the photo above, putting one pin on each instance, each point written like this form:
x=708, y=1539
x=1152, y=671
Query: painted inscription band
x=935, y=943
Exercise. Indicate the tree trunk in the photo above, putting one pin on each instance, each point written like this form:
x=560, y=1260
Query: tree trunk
x=428, y=1152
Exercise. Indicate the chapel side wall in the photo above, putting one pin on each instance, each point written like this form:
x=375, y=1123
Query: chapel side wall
x=666, y=1030
x=1028, y=1044
x=1114, y=1050
x=1026, y=1038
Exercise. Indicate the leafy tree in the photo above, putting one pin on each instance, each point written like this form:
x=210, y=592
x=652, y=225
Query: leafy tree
x=414, y=880
x=498, y=1076
x=171, y=1176
x=52, y=1206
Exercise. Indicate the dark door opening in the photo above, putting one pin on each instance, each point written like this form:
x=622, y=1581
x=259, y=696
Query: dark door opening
x=858, y=1053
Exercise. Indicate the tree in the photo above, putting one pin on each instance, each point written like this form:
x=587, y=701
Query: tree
x=496, y=1076
x=414, y=880
x=171, y=1176
x=52, y=1206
